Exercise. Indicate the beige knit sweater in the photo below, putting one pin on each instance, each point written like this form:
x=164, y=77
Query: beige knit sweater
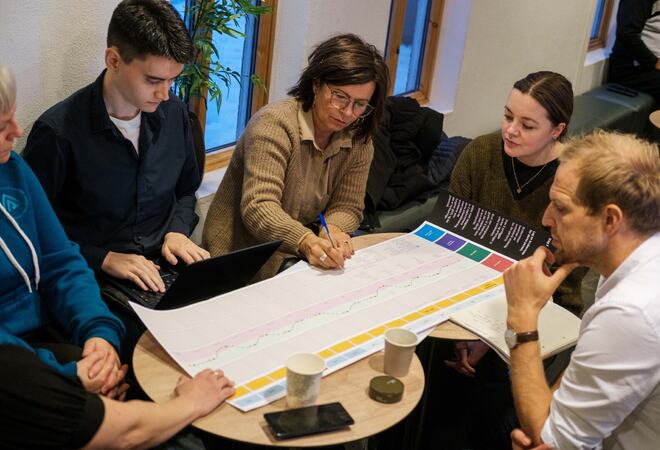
x=261, y=190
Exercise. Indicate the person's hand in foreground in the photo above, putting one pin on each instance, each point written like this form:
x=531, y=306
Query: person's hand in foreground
x=101, y=364
x=140, y=424
x=108, y=371
x=206, y=390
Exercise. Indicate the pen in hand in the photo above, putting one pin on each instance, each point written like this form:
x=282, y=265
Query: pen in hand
x=327, y=231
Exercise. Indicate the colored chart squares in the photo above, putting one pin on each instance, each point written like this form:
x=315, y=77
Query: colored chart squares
x=450, y=242
x=473, y=252
x=497, y=262
x=429, y=233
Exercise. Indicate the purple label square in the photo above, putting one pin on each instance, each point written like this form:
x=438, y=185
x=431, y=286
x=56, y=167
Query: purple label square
x=450, y=242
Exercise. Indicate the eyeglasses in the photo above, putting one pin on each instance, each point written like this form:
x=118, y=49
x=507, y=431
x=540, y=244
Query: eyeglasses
x=361, y=108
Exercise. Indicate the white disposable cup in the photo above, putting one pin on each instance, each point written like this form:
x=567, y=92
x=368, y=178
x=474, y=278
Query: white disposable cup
x=399, y=348
x=303, y=379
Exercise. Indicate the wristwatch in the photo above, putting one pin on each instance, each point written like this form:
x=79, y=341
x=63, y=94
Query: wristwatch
x=512, y=338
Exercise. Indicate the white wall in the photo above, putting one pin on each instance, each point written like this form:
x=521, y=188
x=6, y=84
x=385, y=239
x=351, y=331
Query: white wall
x=53, y=47
x=507, y=39
x=56, y=47
x=302, y=24
x=485, y=47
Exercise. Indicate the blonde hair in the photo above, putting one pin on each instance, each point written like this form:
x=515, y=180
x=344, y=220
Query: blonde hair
x=621, y=169
x=7, y=90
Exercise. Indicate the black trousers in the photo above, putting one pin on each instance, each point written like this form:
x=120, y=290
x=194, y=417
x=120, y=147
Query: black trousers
x=637, y=78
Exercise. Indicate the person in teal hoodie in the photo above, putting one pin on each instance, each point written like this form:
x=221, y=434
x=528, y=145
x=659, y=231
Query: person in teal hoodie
x=43, y=277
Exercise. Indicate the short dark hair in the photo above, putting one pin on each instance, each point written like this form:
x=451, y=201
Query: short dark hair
x=342, y=60
x=553, y=91
x=139, y=28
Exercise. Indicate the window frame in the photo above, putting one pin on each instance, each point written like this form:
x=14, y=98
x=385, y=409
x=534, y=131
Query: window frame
x=600, y=41
x=394, y=35
x=262, y=67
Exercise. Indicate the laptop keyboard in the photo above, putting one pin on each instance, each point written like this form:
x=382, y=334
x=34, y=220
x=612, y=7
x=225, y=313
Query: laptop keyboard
x=150, y=298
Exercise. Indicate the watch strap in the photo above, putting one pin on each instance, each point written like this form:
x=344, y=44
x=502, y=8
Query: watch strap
x=527, y=336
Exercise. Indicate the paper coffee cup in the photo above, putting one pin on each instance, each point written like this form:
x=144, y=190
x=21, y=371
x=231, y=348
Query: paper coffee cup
x=399, y=348
x=303, y=379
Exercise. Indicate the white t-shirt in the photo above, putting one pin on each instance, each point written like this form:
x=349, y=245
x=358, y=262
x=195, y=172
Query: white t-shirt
x=130, y=129
x=609, y=396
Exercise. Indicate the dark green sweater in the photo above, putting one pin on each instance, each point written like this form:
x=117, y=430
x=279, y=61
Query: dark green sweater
x=479, y=175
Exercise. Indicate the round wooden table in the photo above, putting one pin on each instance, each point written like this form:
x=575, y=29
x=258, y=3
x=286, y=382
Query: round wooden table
x=157, y=374
x=446, y=330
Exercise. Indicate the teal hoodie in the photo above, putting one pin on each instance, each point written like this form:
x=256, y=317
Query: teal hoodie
x=43, y=277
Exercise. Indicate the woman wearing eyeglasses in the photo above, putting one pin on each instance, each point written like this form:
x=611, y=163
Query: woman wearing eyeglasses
x=306, y=155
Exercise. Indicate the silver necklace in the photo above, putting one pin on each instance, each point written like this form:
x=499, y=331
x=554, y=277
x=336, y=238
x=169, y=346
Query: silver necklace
x=515, y=177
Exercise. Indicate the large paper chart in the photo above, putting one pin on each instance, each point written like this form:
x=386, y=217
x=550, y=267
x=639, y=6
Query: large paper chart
x=415, y=282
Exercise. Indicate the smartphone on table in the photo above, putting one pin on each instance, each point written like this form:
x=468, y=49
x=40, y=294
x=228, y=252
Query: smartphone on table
x=308, y=420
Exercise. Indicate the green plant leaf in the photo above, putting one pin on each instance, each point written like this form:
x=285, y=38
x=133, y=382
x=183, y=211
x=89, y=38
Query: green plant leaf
x=208, y=74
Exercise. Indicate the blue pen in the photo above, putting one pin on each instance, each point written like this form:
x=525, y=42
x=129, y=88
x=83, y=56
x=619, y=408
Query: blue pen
x=325, y=227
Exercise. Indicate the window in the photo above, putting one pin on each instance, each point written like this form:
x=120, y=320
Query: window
x=411, y=46
x=598, y=36
x=247, y=55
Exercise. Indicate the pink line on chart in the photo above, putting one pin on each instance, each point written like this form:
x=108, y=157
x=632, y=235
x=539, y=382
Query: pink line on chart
x=318, y=308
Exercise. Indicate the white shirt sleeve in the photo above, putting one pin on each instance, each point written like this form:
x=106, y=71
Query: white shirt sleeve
x=612, y=370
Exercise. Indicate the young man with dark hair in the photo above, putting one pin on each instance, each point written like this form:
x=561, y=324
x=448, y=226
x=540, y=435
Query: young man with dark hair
x=116, y=158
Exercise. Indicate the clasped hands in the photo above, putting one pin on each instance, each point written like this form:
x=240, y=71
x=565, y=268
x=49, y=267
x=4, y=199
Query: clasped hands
x=467, y=355
x=319, y=250
x=145, y=273
x=100, y=371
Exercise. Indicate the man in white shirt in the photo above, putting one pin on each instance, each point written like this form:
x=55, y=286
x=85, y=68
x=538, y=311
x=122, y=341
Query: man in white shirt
x=604, y=213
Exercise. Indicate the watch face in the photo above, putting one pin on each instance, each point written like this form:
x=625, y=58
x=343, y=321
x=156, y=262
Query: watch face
x=510, y=338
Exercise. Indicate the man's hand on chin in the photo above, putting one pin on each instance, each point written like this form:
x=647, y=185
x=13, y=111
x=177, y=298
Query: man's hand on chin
x=529, y=285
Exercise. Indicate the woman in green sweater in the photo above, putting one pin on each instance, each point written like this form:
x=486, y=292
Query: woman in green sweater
x=302, y=156
x=511, y=171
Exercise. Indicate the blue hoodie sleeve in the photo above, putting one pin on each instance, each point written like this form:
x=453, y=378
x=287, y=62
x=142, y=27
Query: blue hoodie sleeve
x=48, y=156
x=67, y=287
x=68, y=369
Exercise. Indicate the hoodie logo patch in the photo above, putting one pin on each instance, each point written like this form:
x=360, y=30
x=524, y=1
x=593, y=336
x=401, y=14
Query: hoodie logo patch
x=14, y=201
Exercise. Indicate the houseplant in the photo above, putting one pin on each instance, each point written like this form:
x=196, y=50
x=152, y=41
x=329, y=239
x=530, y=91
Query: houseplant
x=206, y=76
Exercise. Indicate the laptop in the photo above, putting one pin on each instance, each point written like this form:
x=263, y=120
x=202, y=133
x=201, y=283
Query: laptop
x=200, y=280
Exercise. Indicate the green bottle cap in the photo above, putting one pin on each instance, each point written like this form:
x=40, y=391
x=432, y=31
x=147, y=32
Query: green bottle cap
x=385, y=389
